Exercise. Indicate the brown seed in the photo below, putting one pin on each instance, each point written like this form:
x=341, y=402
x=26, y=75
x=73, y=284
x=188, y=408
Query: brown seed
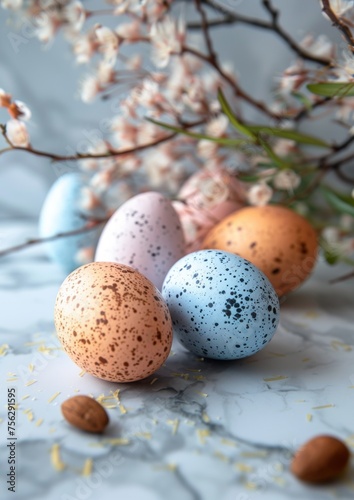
x=85, y=413
x=320, y=460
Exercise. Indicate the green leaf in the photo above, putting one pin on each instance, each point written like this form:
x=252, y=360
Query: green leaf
x=343, y=204
x=223, y=141
x=332, y=89
x=279, y=162
x=231, y=116
x=290, y=134
x=305, y=101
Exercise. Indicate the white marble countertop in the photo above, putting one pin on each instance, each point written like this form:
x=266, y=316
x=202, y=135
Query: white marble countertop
x=196, y=430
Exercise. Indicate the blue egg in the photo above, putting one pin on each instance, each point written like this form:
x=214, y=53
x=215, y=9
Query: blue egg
x=61, y=213
x=222, y=306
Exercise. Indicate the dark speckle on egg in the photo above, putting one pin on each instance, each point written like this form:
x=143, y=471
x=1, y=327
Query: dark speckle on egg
x=238, y=315
x=144, y=233
x=123, y=331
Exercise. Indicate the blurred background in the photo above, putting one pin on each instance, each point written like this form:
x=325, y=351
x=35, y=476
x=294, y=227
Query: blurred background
x=47, y=79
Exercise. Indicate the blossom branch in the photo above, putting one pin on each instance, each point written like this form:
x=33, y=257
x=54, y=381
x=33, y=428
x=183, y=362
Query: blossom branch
x=205, y=29
x=339, y=24
x=37, y=241
x=82, y=156
x=239, y=92
x=231, y=17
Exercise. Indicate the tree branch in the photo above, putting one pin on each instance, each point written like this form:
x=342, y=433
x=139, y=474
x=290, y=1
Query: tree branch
x=339, y=24
x=79, y=156
x=231, y=17
x=37, y=241
x=239, y=92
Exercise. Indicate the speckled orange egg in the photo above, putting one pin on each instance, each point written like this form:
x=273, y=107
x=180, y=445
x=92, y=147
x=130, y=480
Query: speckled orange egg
x=280, y=242
x=113, y=322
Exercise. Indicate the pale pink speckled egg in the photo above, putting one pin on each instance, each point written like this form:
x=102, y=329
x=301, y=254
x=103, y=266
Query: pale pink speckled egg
x=144, y=233
x=207, y=198
x=113, y=322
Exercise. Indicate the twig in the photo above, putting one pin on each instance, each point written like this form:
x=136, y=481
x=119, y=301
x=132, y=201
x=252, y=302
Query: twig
x=37, y=241
x=205, y=29
x=239, y=92
x=79, y=156
x=339, y=24
x=342, y=278
x=231, y=17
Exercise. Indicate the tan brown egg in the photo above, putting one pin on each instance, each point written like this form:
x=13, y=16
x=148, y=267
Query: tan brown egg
x=280, y=242
x=113, y=322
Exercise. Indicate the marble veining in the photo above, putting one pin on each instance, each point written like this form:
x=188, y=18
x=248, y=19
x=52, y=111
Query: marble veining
x=196, y=429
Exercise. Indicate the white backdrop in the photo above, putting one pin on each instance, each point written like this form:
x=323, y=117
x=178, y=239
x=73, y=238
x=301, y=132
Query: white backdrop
x=46, y=79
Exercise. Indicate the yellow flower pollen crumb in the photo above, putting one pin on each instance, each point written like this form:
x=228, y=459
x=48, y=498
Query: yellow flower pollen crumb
x=309, y=417
x=205, y=417
x=153, y=380
x=30, y=382
x=55, y=458
x=82, y=373
x=175, y=425
x=337, y=345
x=29, y=414
x=203, y=434
x=145, y=435
x=51, y=399
x=229, y=442
x=123, y=409
x=323, y=407
x=3, y=349
x=242, y=467
x=87, y=468
x=39, y=422
x=274, y=379
x=221, y=457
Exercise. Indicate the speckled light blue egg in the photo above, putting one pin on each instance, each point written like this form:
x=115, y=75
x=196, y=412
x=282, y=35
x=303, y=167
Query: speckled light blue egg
x=61, y=213
x=222, y=306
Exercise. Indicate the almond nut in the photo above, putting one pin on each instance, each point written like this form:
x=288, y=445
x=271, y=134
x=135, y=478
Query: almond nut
x=321, y=459
x=85, y=413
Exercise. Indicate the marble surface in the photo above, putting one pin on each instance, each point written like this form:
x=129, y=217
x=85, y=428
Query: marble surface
x=197, y=429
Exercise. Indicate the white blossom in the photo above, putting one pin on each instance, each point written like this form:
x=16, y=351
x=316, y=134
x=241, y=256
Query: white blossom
x=84, y=255
x=12, y=4
x=342, y=8
x=75, y=16
x=259, y=194
x=167, y=37
x=217, y=126
x=83, y=48
x=287, y=180
x=207, y=149
x=88, y=199
x=17, y=133
x=24, y=113
x=105, y=73
x=131, y=32
x=90, y=87
x=108, y=42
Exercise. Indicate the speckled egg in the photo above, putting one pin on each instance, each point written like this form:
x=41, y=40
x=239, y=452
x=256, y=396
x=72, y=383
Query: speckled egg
x=280, y=242
x=144, y=233
x=113, y=322
x=222, y=306
x=61, y=213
